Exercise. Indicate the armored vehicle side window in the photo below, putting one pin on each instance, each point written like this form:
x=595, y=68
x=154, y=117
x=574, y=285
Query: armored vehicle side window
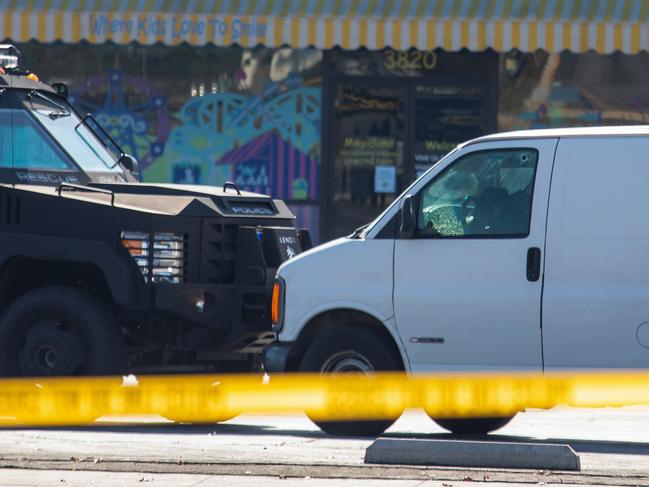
x=483, y=194
x=24, y=145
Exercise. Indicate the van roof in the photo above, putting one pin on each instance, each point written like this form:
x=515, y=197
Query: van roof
x=619, y=130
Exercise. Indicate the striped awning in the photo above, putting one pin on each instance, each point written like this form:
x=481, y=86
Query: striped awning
x=553, y=25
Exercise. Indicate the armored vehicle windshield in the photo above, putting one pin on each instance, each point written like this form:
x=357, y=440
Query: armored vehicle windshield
x=43, y=140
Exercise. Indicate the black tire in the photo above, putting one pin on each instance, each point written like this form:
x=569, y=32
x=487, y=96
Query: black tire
x=60, y=331
x=352, y=349
x=473, y=426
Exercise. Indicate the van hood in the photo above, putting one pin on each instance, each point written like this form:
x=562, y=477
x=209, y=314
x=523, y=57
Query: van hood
x=342, y=274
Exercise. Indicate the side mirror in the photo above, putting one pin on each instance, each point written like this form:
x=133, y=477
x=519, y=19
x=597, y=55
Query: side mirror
x=408, y=223
x=129, y=163
x=61, y=89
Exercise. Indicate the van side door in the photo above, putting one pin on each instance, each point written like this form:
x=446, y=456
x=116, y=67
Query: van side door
x=596, y=296
x=467, y=285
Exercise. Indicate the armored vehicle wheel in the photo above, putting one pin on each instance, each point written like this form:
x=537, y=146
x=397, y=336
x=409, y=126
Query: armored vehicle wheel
x=351, y=350
x=473, y=426
x=60, y=331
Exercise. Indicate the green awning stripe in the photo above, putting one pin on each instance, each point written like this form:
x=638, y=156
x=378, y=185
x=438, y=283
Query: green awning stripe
x=491, y=7
x=644, y=11
x=439, y=8
x=592, y=9
x=627, y=11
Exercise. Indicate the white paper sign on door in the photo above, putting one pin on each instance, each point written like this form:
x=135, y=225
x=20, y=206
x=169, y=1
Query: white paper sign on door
x=385, y=179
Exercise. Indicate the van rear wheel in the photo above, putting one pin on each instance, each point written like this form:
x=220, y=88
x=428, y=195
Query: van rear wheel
x=473, y=426
x=351, y=350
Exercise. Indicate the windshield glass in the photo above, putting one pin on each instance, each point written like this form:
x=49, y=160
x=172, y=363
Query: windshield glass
x=77, y=140
x=26, y=145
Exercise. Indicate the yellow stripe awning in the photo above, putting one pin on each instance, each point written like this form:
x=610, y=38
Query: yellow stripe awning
x=553, y=25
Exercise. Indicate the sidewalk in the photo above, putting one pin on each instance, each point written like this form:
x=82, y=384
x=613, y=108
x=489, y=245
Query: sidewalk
x=50, y=478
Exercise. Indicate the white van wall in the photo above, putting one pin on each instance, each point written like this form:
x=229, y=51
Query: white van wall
x=596, y=284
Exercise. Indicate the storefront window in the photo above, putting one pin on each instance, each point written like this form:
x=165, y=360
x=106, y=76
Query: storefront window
x=543, y=90
x=445, y=115
x=368, y=166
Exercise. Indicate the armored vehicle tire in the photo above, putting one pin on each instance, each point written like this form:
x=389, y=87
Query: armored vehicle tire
x=351, y=350
x=60, y=331
x=473, y=426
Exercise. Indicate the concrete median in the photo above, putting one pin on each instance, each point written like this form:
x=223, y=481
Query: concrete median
x=456, y=453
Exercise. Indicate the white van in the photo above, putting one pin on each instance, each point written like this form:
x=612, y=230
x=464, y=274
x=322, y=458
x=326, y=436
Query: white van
x=517, y=251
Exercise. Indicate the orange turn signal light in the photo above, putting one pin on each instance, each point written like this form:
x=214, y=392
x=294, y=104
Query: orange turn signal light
x=275, y=302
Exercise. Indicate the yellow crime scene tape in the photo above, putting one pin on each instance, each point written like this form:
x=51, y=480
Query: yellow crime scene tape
x=72, y=401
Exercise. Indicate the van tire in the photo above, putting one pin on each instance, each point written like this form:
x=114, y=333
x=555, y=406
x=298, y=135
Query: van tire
x=351, y=349
x=60, y=331
x=473, y=426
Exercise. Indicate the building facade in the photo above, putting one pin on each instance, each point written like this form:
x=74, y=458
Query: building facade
x=333, y=106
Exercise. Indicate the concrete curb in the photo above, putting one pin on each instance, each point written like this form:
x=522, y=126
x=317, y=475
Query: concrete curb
x=454, y=453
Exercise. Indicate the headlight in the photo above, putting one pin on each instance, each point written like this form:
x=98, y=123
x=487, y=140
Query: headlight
x=160, y=256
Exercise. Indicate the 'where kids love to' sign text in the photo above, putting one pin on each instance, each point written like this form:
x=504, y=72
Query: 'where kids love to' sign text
x=178, y=27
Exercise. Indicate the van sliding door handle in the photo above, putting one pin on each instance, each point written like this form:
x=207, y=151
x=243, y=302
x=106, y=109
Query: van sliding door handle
x=533, y=264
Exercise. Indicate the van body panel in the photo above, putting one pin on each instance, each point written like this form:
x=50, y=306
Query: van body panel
x=596, y=293
x=466, y=303
x=346, y=273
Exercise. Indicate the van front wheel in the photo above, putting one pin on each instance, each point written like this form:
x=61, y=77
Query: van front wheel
x=473, y=426
x=351, y=350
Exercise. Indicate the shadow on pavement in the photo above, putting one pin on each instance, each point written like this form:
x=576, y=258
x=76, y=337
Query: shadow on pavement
x=580, y=446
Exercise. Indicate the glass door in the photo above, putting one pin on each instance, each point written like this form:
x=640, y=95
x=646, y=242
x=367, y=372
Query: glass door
x=368, y=152
x=444, y=116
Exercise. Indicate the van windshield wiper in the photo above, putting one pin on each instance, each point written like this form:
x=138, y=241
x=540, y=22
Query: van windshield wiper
x=62, y=109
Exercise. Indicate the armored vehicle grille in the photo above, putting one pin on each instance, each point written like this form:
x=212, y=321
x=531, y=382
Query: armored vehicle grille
x=10, y=209
x=161, y=257
x=219, y=252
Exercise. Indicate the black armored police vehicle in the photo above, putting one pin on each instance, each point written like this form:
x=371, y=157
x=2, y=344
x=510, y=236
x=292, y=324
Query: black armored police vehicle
x=100, y=274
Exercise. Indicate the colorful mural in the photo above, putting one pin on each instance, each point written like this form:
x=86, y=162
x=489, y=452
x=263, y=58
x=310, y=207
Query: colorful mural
x=214, y=124
x=271, y=165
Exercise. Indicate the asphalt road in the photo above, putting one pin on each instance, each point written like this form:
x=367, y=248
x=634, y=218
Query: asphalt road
x=613, y=445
